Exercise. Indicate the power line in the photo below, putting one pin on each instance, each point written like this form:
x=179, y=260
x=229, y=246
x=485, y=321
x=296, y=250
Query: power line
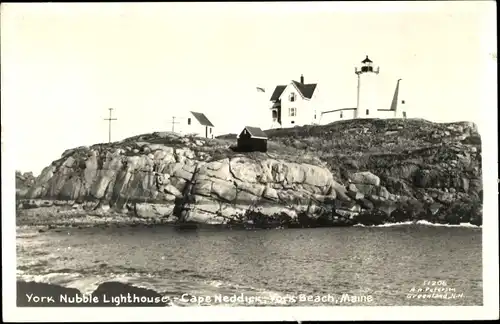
x=173, y=123
x=109, y=120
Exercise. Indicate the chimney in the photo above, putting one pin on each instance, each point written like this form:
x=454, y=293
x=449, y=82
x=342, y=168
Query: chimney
x=302, y=78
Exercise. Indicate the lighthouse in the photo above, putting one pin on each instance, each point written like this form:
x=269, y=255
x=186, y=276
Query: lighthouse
x=367, y=92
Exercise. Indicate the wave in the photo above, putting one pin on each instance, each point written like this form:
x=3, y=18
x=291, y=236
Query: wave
x=28, y=235
x=52, y=277
x=422, y=222
x=84, y=282
x=88, y=278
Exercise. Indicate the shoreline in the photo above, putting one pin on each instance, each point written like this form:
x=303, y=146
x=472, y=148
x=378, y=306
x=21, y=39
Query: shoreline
x=103, y=219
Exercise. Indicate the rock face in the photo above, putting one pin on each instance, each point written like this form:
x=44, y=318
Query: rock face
x=170, y=178
x=223, y=190
x=152, y=180
x=396, y=161
x=23, y=182
x=365, y=178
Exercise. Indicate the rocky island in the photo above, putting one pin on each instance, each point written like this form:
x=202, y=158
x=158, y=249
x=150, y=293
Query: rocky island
x=365, y=171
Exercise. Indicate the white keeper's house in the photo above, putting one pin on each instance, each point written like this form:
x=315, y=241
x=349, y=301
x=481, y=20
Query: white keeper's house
x=293, y=104
x=296, y=104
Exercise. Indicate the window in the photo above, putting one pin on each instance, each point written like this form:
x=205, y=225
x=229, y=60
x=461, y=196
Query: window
x=403, y=102
x=367, y=112
x=314, y=116
x=189, y=121
x=210, y=130
x=292, y=122
x=404, y=114
x=292, y=97
x=275, y=114
x=292, y=112
x=341, y=114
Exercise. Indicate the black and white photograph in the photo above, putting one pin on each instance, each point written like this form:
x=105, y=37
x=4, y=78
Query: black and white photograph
x=287, y=161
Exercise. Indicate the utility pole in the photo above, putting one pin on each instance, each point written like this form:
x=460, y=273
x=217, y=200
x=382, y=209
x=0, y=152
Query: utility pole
x=173, y=123
x=109, y=120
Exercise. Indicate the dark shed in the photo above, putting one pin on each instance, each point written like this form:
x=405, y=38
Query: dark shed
x=252, y=139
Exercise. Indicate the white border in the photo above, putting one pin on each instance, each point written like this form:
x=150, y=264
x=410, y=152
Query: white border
x=488, y=130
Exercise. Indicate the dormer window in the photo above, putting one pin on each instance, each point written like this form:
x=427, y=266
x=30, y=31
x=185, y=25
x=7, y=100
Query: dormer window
x=292, y=97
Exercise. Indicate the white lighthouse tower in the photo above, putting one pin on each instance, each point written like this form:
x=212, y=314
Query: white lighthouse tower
x=367, y=94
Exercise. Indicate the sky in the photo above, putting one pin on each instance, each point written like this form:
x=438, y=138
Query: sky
x=64, y=65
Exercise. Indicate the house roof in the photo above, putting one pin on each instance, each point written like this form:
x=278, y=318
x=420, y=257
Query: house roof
x=255, y=132
x=307, y=90
x=202, y=119
x=277, y=92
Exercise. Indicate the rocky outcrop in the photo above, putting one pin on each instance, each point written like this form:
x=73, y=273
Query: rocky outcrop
x=23, y=182
x=227, y=190
x=436, y=164
x=167, y=178
x=148, y=179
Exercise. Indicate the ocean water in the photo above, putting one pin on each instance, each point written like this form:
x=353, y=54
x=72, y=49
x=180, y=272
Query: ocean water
x=403, y=264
